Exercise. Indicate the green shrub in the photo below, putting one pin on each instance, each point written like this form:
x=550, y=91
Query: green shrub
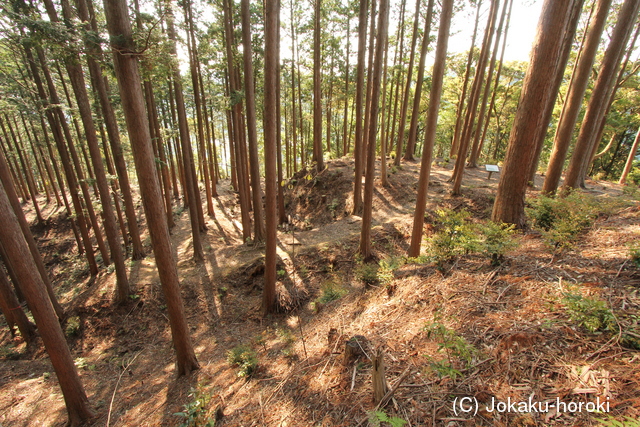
x=245, y=358
x=196, y=411
x=386, y=267
x=562, y=219
x=331, y=291
x=455, y=347
x=496, y=240
x=590, y=313
x=612, y=422
x=454, y=236
x=72, y=329
x=367, y=273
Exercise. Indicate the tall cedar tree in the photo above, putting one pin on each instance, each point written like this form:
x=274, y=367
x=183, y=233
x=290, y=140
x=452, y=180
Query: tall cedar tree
x=470, y=115
x=381, y=39
x=250, y=102
x=432, y=122
x=602, y=90
x=573, y=102
x=5, y=180
x=76, y=75
x=125, y=60
x=271, y=101
x=190, y=177
x=317, y=90
x=357, y=150
x=408, y=154
x=39, y=303
x=415, y=111
x=537, y=93
x=99, y=81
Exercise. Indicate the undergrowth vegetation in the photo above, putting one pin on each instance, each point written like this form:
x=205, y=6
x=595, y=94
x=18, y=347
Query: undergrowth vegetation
x=560, y=220
x=245, y=358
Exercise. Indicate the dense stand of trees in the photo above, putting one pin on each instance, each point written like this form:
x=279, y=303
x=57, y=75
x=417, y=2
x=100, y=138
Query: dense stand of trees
x=91, y=93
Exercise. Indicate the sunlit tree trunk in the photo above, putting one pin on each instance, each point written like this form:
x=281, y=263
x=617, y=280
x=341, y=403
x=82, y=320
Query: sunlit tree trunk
x=602, y=90
x=357, y=151
x=317, y=90
x=11, y=236
x=537, y=92
x=271, y=101
x=415, y=111
x=381, y=40
x=129, y=82
x=432, y=122
x=76, y=76
x=408, y=155
x=250, y=104
x=463, y=96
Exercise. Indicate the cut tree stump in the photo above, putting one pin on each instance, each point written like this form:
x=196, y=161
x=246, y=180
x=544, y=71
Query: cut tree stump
x=355, y=347
x=378, y=376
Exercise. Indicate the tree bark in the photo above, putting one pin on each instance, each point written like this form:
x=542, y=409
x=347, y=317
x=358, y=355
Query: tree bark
x=250, y=101
x=415, y=111
x=357, y=150
x=271, y=69
x=432, y=122
x=39, y=303
x=191, y=184
x=317, y=91
x=408, y=155
x=629, y=163
x=126, y=67
x=381, y=39
x=537, y=91
x=601, y=92
x=74, y=69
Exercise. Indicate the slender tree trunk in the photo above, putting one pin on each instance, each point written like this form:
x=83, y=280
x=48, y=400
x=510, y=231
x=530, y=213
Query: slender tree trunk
x=239, y=147
x=60, y=129
x=271, y=70
x=415, y=112
x=573, y=102
x=317, y=91
x=537, y=92
x=79, y=87
x=602, y=90
x=476, y=148
x=432, y=122
x=381, y=40
x=408, y=155
x=346, y=88
x=629, y=163
x=12, y=310
x=250, y=101
x=470, y=116
x=100, y=83
x=5, y=180
x=357, y=151
x=53, y=338
x=25, y=169
x=463, y=96
x=126, y=68
x=191, y=184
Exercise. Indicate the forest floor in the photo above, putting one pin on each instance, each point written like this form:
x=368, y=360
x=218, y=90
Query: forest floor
x=467, y=329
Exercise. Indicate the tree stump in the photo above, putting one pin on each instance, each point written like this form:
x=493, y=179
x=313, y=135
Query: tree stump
x=378, y=376
x=355, y=348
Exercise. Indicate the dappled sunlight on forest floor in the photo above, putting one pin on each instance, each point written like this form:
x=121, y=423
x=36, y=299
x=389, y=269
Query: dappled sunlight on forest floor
x=461, y=327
